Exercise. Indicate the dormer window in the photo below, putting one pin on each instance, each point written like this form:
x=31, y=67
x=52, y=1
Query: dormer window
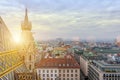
x=67, y=64
x=63, y=64
x=59, y=64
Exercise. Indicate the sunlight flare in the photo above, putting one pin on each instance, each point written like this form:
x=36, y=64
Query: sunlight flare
x=17, y=38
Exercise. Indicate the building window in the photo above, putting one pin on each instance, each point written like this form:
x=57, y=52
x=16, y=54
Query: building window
x=47, y=75
x=59, y=64
x=43, y=75
x=71, y=75
x=72, y=71
x=55, y=75
x=51, y=71
x=47, y=71
x=43, y=71
x=75, y=75
x=67, y=71
x=67, y=64
x=39, y=71
x=67, y=75
x=59, y=75
x=76, y=71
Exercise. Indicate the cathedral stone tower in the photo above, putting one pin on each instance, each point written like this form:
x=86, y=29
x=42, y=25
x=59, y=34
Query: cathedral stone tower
x=28, y=43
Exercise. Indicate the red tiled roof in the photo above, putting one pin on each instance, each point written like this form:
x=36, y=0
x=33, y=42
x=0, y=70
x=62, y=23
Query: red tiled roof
x=67, y=62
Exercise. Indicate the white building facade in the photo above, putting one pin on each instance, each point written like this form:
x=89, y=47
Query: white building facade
x=58, y=69
x=84, y=65
x=61, y=74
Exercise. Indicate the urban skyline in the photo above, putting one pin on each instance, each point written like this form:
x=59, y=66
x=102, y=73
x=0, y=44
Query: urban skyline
x=73, y=49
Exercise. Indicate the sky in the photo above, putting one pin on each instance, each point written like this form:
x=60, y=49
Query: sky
x=68, y=19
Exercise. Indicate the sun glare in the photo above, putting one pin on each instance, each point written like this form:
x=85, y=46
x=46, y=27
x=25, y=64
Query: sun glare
x=17, y=38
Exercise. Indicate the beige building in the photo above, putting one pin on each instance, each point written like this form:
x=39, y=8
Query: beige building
x=58, y=69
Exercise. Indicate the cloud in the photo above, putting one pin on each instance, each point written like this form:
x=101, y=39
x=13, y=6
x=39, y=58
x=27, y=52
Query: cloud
x=60, y=18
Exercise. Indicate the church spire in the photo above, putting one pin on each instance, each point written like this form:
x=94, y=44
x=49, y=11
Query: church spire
x=26, y=24
x=26, y=16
